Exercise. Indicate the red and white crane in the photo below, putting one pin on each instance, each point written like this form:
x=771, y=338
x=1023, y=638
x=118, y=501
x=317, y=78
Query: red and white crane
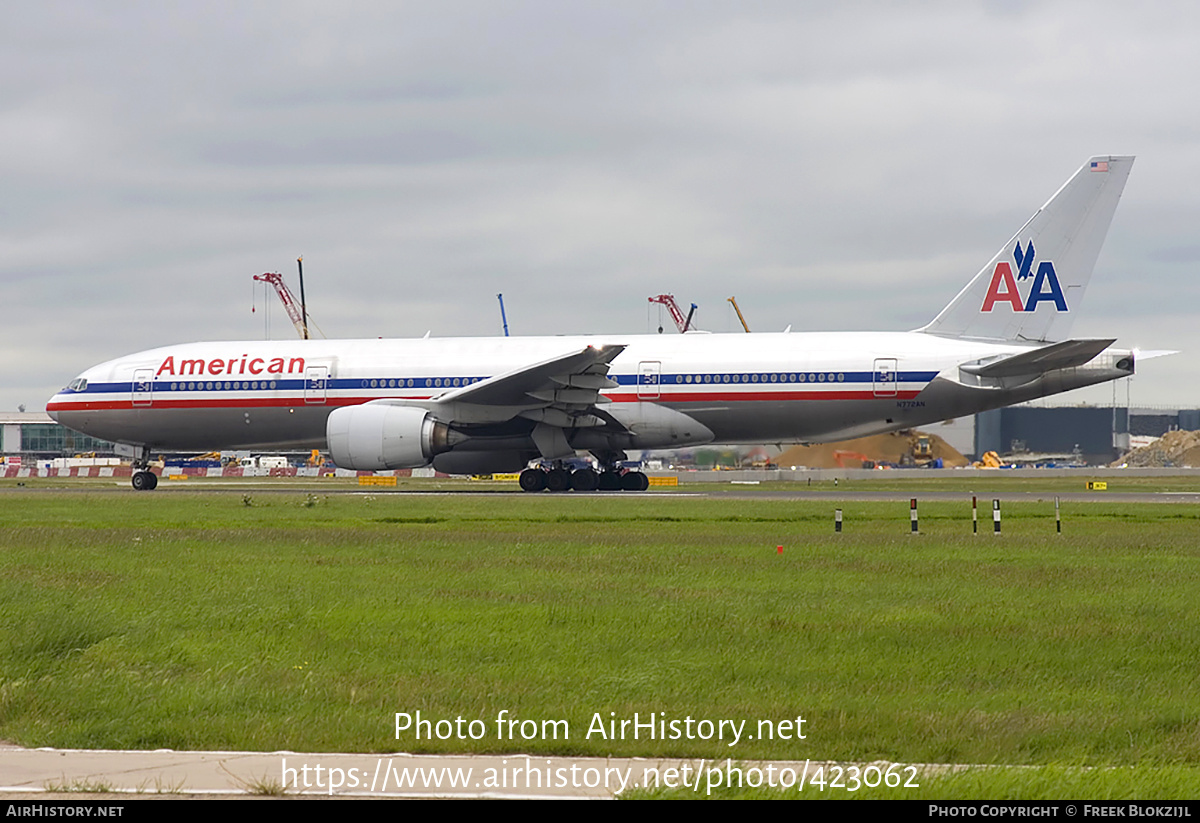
x=287, y=298
x=681, y=323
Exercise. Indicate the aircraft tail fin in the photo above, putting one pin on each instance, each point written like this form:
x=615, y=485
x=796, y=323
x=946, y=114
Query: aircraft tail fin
x=1032, y=288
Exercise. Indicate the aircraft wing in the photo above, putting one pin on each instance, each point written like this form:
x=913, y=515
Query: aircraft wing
x=562, y=391
x=1062, y=355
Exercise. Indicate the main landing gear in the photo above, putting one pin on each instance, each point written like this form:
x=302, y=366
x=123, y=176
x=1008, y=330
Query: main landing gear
x=561, y=479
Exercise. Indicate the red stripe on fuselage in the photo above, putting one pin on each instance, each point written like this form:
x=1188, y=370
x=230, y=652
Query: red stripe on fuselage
x=616, y=397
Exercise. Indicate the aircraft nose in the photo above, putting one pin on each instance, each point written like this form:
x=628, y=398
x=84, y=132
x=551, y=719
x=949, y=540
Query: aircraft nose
x=58, y=409
x=52, y=407
x=71, y=418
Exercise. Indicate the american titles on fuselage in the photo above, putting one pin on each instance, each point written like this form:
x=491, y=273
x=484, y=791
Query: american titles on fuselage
x=229, y=366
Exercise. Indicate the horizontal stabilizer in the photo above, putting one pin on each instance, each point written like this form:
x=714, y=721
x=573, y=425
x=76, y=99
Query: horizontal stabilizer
x=1062, y=355
x=1150, y=354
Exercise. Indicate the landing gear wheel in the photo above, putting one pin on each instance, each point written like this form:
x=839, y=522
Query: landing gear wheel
x=153, y=480
x=609, y=481
x=634, y=482
x=532, y=480
x=558, y=480
x=144, y=481
x=584, y=480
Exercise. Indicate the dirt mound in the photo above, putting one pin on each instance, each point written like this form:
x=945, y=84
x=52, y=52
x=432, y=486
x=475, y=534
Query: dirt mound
x=1177, y=448
x=881, y=448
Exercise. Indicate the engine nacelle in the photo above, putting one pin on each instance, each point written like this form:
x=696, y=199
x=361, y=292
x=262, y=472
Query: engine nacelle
x=380, y=436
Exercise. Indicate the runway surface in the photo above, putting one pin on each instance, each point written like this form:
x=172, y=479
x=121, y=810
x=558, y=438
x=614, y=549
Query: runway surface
x=706, y=491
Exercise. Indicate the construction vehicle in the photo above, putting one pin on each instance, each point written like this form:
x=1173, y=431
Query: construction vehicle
x=990, y=460
x=842, y=455
x=745, y=325
x=919, y=452
x=681, y=323
x=922, y=448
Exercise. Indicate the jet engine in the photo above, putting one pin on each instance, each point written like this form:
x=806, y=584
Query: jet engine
x=379, y=436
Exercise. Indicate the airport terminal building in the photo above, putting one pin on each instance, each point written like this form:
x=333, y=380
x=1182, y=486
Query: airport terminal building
x=34, y=435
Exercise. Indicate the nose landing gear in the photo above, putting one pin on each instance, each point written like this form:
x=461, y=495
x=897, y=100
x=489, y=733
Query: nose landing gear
x=143, y=479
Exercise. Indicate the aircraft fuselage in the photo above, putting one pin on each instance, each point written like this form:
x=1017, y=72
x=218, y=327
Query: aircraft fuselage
x=808, y=387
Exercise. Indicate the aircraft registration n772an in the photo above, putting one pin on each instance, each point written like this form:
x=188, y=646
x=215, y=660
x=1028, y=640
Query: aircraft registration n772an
x=477, y=405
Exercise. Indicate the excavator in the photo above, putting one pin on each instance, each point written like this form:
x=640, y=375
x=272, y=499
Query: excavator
x=842, y=455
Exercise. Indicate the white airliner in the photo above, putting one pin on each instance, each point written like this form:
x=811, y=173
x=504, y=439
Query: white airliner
x=475, y=405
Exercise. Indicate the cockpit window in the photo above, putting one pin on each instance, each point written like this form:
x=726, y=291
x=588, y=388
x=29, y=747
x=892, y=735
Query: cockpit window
x=78, y=384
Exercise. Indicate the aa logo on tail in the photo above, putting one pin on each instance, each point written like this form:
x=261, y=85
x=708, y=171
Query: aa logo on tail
x=1003, y=288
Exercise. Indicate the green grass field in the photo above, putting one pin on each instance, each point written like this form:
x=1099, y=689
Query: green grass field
x=287, y=620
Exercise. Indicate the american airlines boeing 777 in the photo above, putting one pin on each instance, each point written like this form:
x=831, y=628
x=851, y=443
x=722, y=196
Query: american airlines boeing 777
x=473, y=405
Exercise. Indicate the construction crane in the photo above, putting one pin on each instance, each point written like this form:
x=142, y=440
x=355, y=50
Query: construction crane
x=503, y=316
x=739, y=314
x=681, y=323
x=288, y=299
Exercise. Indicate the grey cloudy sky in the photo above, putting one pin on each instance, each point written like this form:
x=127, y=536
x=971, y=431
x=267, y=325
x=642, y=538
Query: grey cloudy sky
x=833, y=165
